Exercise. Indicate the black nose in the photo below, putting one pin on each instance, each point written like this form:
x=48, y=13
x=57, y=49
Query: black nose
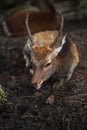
x=34, y=85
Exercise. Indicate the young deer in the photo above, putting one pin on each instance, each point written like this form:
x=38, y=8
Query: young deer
x=50, y=52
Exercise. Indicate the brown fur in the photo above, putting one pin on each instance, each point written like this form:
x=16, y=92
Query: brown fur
x=63, y=64
x=41, y=47
x=39, y=21
x=42, y=42
x=41, y=53
x=43, y=5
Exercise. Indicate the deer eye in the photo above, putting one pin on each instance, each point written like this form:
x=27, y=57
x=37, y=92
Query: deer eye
x=48, y=64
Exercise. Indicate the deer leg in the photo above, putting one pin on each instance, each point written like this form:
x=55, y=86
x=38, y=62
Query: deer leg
x=56, y=86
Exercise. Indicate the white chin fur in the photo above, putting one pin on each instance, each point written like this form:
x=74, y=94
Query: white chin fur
x=39, y=85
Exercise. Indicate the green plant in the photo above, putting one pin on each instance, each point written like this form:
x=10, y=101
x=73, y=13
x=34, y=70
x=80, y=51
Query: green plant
x=3, y=97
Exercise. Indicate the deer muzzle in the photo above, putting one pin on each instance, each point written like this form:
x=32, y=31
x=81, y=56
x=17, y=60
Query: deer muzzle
x=37, y=79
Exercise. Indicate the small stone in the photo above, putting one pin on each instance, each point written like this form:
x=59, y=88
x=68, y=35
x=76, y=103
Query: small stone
x=35, y=106
x=50, y=99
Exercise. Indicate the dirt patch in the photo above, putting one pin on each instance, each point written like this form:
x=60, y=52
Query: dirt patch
x=26, y=108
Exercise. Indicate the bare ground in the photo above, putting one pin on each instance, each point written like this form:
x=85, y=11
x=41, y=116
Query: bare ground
x=26, y=108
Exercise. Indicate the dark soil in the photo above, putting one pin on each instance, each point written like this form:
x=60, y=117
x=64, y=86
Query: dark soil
x=26, y=108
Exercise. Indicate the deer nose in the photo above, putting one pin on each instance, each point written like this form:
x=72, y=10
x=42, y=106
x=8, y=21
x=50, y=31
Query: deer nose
x=34, y=85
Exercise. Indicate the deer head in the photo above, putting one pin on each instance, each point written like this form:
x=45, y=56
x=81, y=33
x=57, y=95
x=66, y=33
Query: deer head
x=44, y=60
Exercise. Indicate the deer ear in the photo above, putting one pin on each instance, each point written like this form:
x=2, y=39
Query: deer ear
x=59, y=48
x=28, y=49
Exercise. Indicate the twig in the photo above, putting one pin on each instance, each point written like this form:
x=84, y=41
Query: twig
x=27, y=97
x=68, y=127
x=33, y=123
x=32, y=116
x=43, y=126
